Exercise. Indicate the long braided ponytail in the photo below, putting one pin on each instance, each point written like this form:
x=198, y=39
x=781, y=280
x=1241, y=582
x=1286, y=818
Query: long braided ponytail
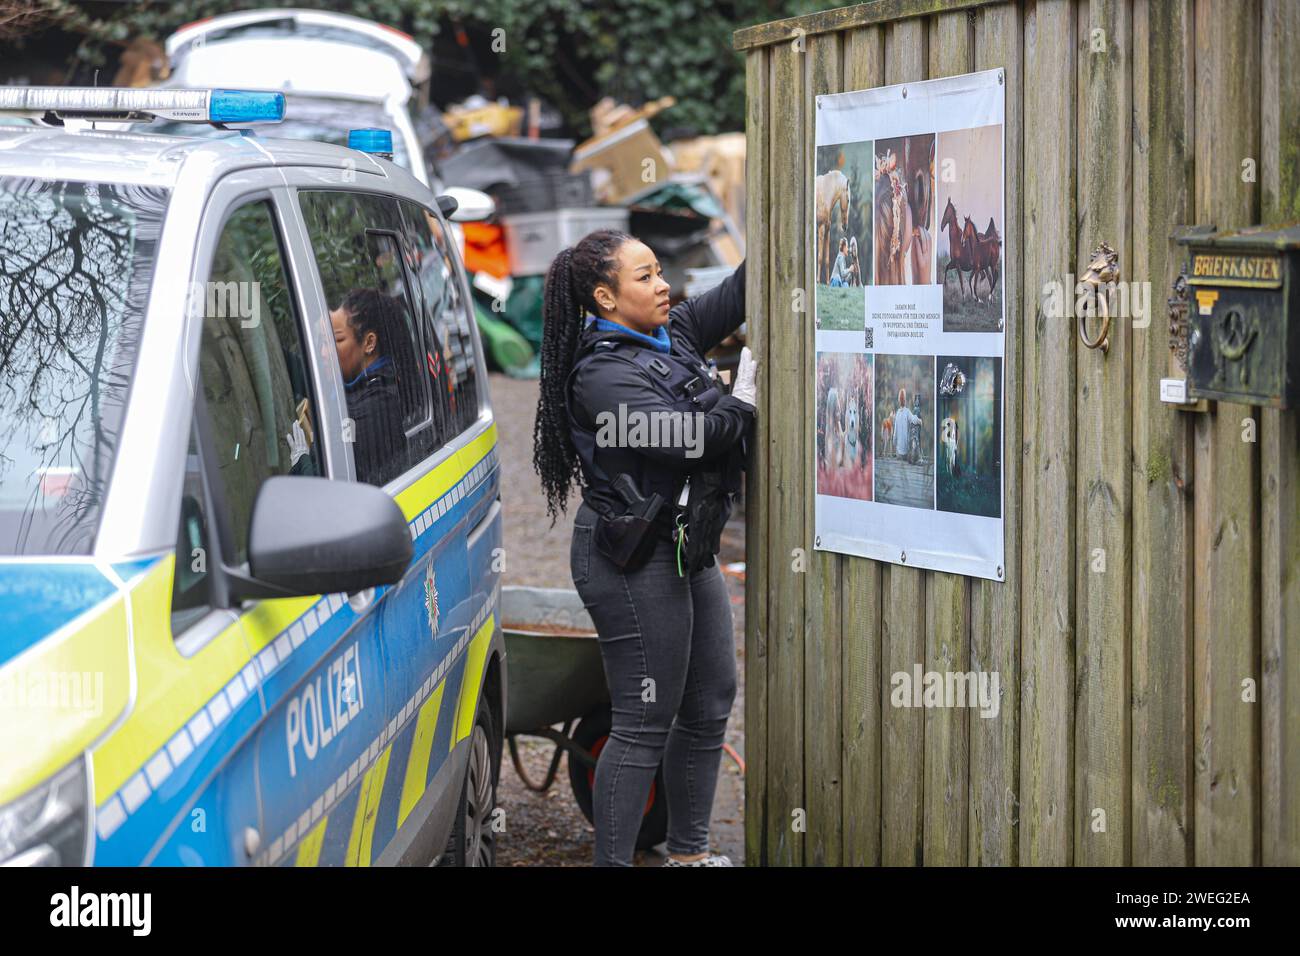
x=570, y=282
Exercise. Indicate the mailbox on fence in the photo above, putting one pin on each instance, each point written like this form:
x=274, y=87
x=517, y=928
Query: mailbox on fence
x=1244, y=331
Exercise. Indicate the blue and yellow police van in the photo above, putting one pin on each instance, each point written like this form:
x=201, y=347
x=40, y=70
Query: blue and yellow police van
x=250, y=528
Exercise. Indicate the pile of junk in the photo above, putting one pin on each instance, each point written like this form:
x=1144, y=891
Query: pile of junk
x=684, y=199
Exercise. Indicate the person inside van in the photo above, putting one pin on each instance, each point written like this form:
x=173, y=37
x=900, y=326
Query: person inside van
x=371, y=338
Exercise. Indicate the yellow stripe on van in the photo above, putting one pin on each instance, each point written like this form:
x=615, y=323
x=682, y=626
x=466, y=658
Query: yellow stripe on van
x=363, y=824
x=61, y=694
x=267, y=620
x=429, y=488
x=472, y=680
x=309, y=848
x=417, y=765
x=170, y=688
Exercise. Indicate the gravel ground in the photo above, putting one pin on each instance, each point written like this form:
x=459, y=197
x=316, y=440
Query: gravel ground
x=548, y=829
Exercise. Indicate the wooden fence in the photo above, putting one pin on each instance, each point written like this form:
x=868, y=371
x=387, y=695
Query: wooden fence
x=1122, y=691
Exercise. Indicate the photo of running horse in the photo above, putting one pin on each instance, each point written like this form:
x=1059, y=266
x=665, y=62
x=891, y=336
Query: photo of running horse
x=960, y=259
x=988, y=257
x=971, y=191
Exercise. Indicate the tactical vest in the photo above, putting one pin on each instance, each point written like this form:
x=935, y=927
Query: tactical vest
x=686, y=386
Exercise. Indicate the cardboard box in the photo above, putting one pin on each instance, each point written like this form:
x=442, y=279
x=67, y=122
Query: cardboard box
x=625, y=162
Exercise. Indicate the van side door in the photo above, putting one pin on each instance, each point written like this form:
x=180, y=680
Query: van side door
x=318, y=660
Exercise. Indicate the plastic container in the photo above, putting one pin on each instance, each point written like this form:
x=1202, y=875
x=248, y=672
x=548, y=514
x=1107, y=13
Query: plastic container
x=558, y=190
x=533, y=239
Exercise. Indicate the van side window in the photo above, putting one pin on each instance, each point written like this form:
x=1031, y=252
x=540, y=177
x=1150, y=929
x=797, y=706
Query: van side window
x=360, y=256
x=254, y=372
x=447, y=313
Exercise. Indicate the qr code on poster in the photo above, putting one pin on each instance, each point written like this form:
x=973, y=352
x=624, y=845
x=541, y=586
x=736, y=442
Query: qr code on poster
x=871, y=337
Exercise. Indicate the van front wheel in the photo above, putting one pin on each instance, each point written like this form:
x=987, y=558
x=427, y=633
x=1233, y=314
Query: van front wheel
x=473, y=839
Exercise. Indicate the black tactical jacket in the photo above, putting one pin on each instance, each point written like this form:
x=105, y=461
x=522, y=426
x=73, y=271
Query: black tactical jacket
x=379, y=441
x=619, y=379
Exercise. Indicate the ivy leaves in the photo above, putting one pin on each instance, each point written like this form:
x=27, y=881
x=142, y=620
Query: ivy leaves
x=571, y=52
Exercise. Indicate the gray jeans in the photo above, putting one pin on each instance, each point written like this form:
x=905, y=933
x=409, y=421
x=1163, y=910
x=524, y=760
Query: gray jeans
x=670, y=660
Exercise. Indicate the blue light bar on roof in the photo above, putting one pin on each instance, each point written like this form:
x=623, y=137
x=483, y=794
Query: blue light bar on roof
x=245, y=106
x=371, y=140
x=114, y=103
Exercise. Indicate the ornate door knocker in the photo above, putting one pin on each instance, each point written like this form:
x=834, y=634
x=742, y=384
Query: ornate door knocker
x=1102, y=271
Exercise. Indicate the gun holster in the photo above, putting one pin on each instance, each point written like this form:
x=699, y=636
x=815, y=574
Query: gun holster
x=628, y=539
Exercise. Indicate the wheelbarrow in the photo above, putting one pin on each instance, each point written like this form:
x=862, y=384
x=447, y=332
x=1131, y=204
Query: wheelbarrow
x=557, y=678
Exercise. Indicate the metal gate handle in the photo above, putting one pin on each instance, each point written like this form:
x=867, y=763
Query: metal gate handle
x=1102, y=341
x=1103, y=269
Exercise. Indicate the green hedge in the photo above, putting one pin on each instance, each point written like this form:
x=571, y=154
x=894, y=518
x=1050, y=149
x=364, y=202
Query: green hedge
x=568, y=51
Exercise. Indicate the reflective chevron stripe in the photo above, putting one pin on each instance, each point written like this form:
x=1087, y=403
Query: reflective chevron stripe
x=419, y=721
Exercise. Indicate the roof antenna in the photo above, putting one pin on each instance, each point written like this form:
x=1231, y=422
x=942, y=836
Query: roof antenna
x=96, y=84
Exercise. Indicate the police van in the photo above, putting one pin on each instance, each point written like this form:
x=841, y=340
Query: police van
x=250, y=529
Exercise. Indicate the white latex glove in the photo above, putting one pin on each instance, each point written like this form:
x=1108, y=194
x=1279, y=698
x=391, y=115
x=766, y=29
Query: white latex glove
x=746, y=387
x=297, y=440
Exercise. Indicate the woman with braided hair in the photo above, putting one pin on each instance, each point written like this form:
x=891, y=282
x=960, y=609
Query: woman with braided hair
x=380, y=374
x=614, y=360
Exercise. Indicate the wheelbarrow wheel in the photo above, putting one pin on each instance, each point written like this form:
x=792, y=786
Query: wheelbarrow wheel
x=591, y=735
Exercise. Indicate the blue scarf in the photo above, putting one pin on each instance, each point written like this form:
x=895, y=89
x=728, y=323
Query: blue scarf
x=659, y=341
x=370, y=369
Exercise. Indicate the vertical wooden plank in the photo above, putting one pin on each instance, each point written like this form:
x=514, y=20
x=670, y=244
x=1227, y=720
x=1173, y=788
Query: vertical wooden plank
x=1227, y=494
x=822, y=710
x=947, y=596
x=1048, y=539
x=995, y=605
x=1104, y=450
x=1280, y=467
x=1162, y=538
x=787, y=371
x=757, y=244
x=903, y=616
x=860, y=597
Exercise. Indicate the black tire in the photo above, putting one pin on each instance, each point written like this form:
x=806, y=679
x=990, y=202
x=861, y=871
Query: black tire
x=591, y=734
x=473, y=841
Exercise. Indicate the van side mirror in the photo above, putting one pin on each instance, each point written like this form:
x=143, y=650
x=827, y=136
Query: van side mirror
x=467, y=205
x=317, y=536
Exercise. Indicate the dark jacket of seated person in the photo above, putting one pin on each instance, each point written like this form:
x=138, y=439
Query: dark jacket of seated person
x=367, y=332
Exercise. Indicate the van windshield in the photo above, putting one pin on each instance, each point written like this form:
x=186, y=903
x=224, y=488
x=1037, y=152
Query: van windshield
x=76, y=260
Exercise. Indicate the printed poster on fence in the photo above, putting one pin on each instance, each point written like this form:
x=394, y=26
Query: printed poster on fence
x=910, y=307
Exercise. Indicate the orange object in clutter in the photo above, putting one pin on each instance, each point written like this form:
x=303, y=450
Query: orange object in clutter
x=485, y=249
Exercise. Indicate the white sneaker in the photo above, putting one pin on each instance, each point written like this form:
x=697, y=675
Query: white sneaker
x=710, y=860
